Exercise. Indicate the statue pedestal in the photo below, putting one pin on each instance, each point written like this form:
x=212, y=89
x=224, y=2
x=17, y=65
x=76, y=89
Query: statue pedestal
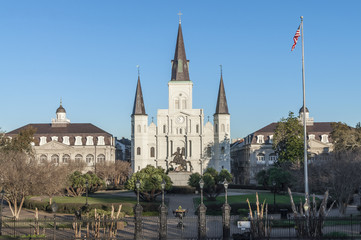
x=179, y=178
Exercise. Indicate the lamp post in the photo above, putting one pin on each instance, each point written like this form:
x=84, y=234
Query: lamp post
x=163, y=215
x=163, y=187
x=54, y=208
x=87, y=185
x=225, y=184
x=226, y=213
x=274, y=195
x=138, y=215
x=202, y=224
x=137, y=185
x=201, y=185
x=2, y=193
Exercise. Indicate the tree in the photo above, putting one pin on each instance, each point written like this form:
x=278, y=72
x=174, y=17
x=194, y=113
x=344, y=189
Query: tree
x=340, y=174
x=281, y=177
x=115, y=173
x=212, y=182
x=52, y=179
x=76, y=185
x=150, y=182
x=288, y=141
x=346, y=138
x=18, y=169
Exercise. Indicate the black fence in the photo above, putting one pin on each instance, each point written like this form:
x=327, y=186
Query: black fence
x=69, y=228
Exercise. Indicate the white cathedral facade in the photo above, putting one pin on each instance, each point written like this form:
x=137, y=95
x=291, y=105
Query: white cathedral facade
x=180, y=132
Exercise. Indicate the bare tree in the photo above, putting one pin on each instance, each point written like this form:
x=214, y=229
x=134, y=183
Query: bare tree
x=114, y=172
x=51, y=179
x=18, y=169
x=340, y=175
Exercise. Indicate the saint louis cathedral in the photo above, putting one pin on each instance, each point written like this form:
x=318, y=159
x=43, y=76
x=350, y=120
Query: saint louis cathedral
x=181, y=140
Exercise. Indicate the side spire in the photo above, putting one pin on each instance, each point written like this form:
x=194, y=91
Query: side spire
x=139, y=108
x=222, y=106
x=180, y=63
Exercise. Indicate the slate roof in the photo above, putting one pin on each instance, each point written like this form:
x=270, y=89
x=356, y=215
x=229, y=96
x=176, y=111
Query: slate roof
x=180, y=72
x=222, y=107
x=71, y=128
x=318, y=129
x=138, y=108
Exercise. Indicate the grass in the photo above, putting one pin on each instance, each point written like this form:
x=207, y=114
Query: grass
x=92, y=199
x=280, y=199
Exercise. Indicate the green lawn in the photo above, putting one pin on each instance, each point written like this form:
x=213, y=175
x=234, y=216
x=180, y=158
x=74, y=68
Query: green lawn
x=280, y=199
x=93, y=199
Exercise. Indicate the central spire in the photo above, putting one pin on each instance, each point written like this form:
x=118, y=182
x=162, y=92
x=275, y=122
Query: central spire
x=180, y=62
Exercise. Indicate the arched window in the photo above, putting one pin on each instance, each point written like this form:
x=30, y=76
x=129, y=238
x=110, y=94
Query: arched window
x=209, y=151
x=180, y=131
x=164, y=128
x=138, y=151
x=184, y=104
x=78, y=157
x=176, y=104
x=43, y=158
x=152, y=152
x=222, y=150
x=66, y=158
x=101, y=158
x=260, y=158
x=197, y=128
x=216, y=127
x=89, y=158
x=55, y=158
x=139, y=129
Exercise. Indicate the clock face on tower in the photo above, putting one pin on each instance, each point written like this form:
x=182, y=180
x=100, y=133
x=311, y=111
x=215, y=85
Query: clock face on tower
x=179, y=119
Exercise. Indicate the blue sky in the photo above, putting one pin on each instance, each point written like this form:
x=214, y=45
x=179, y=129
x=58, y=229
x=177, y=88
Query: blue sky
x=86, y=53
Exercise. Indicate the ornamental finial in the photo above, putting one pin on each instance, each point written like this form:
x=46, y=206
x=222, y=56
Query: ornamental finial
x=180, y=14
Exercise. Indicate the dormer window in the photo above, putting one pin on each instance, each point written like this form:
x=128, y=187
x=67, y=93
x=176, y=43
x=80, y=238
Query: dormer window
x=324, y=138
x=270, y=138
x=101, y=141
x=66, y=140
x=311, y=137
x=78, y=141
x=42, y=141
x=54, y=138
x=89, y=140
x=260, y=139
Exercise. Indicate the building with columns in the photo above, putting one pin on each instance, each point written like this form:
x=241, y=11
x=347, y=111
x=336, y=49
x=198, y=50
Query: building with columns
x=255, y=153
x=61, y=141
x=180, y=130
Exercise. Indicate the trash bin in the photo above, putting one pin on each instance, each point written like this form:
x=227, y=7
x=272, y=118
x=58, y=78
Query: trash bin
x=283, y=213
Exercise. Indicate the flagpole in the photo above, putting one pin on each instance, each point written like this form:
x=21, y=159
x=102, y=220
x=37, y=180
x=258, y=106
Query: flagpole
x=304, y=115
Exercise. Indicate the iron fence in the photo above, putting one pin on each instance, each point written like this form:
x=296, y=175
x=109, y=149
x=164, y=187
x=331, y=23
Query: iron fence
x=70, y=228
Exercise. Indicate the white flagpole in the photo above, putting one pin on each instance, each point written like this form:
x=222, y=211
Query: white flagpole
x=304, y=116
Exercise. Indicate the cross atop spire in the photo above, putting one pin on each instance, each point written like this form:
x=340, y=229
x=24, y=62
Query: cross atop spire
x=180, y=17
x=138, y=70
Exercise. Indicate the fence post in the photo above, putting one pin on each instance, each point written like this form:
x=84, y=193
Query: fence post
x=226, y=220
x=202, y=222
x=351, y=228
x=54, y=235
x=138, y=222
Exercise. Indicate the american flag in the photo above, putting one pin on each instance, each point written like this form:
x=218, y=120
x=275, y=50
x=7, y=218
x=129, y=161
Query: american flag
x=295, y=38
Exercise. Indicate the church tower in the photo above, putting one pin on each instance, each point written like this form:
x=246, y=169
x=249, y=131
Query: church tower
x=221, y=120
x=180, y=86
x=180, y=141
x=139, y=131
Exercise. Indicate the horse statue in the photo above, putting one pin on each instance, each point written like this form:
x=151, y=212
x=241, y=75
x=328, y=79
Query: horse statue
x=178, y=159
